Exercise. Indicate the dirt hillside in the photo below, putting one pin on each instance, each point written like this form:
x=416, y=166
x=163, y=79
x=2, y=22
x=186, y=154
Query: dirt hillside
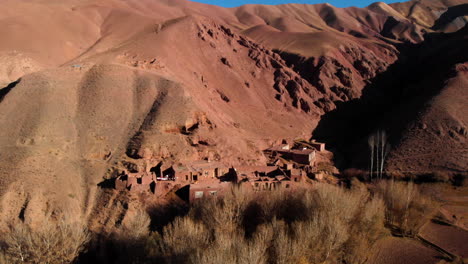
x=88, y=85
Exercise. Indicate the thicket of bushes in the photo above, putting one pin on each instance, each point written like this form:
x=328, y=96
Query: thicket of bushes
x=457, y=179
x=406, y=208
x=50, y=242
x=326, y=224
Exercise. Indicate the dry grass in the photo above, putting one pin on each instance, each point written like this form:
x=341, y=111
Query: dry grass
x=325, y=225
x=407, y=208
x=135, y=226
x=54, y=241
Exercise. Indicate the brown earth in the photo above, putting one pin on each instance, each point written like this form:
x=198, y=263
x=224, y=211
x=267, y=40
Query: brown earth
x=441, y=238
x=103, y=80
x=450, y=238
x=403, y=250
x=442, y=122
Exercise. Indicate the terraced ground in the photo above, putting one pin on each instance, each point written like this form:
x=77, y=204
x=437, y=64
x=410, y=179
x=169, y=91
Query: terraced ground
x=444, y=237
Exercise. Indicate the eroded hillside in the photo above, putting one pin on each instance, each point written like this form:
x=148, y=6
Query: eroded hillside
x=109, y=80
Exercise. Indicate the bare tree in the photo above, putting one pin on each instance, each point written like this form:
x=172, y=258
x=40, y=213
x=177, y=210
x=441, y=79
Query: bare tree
x=371, y=141
x=383, y=150
x=379, y=150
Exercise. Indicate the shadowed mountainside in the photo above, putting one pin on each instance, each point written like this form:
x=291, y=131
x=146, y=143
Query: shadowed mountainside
x=418, y=102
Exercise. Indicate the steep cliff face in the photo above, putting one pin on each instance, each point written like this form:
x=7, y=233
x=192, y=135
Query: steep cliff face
x=341, y=75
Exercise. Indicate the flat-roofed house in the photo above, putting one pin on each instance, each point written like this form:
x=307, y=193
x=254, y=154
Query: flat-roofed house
x=258, y=170
x=183, y=173
x=317, y=145
x=303, y=156
x=200, y=171
x=297, y=175
x=136, y=182
x=209, y=169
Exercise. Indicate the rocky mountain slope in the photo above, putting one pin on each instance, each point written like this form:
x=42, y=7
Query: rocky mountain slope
x=418, y=101
x=92, y=84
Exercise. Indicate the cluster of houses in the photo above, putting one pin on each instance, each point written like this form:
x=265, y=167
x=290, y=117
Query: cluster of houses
x=140, y=182
x=291, y=169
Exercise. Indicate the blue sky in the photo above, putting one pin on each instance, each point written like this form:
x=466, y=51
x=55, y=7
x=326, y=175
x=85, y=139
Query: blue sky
x=338, y=3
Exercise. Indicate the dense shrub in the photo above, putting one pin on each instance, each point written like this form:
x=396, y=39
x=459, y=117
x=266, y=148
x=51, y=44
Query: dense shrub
x=432, y=177
x=325, y=224
x=54, y=241
x=355, y=173
x=322, y=224
x=407, y=209
x=441, y=176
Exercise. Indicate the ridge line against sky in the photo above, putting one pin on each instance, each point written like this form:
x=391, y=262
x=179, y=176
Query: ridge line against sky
x=337, y=3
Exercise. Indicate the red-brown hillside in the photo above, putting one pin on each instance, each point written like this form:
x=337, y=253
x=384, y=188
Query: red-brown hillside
x=103, y=80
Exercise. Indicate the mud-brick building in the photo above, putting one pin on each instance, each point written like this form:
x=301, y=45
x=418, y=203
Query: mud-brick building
x=268, y=183
x=182, y=173
x=200, y=171
x=256, y=171
x=249, y=178
x=136, y=182
x=208, y=190
x=303, y=156
x=269, y=178
x=296, y=175
x=280, y=150
x=318, y=146
x=209, y=169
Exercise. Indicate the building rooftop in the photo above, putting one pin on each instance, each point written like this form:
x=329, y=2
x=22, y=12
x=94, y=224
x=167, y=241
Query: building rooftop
x=206, y=164
x=302, y=151
x=252, y=169
x=281, y=148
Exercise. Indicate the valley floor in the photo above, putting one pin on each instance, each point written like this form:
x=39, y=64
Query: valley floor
x=443, y=237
